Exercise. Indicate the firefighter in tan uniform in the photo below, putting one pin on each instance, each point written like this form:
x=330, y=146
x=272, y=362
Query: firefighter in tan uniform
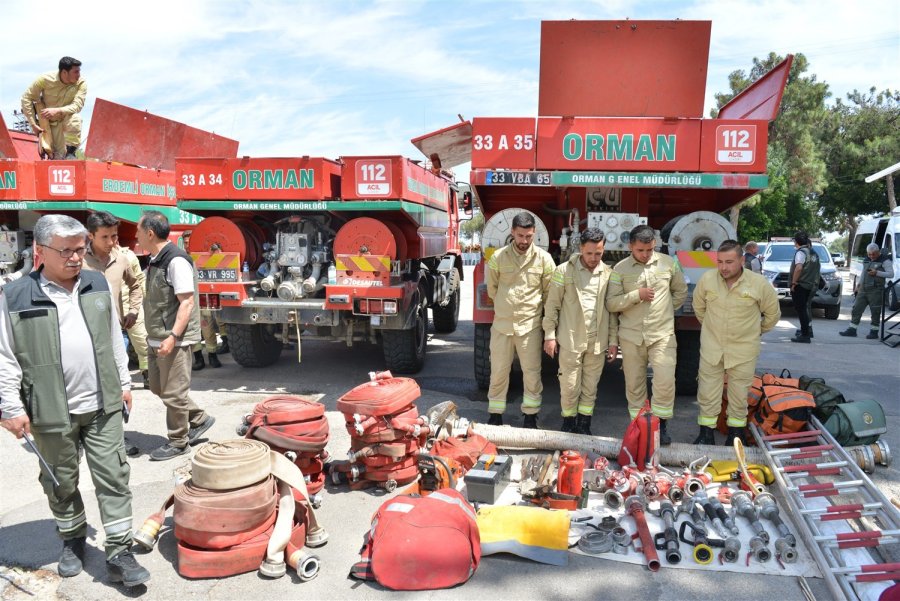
x=517, y=278
x=578, y=326
x=735, y=307
x=646, y=289
x=52, y=99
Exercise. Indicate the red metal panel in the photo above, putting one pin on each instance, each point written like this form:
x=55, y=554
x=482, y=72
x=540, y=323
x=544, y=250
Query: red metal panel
x=392, y=178
x=16, y=180
x=103, y=182
x=149, y=140
x=503, y=142
x=763, y=98
x=618, y=144
x=448, y=147
x=26, y=146
x=733, y=145
x=623, y=68
x=302, y=178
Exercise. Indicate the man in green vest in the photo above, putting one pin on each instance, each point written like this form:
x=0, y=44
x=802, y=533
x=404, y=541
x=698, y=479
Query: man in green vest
x=877, y=269
x=804, y=280
x=172, y=319
x=64, y=379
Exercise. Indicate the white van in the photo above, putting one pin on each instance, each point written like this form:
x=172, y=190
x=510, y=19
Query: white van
x=885, y=232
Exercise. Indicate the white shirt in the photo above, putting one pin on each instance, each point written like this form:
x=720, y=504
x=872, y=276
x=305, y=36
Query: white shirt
x=180, y=274
x=76, y=354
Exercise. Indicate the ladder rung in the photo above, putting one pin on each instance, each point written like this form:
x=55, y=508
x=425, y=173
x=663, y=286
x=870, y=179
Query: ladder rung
x=841, y=508
x=872, y=567
x=818, y=447
x=792, y=435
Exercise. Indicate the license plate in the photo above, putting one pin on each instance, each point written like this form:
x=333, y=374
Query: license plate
x=217, y=275
x=518, y=178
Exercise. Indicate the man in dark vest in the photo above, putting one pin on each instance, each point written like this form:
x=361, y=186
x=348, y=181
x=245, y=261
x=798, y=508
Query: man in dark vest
x=172, y=318
x=751, y=257
x=877, y=268
x=64, y=379
x=804, y=279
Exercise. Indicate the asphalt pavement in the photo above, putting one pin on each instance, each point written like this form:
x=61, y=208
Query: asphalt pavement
x=29, y=547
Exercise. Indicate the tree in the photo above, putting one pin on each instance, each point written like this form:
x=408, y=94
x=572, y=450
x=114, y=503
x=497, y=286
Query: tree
x=861, y=138
x=471, y=228
x=796, y=165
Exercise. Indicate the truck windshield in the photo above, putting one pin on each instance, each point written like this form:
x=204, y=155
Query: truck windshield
x=783, y=252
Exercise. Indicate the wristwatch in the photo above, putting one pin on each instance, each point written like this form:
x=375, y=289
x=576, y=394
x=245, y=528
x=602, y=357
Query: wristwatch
x=176, y=336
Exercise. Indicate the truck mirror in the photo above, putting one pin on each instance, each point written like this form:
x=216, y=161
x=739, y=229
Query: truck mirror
x=466, y=204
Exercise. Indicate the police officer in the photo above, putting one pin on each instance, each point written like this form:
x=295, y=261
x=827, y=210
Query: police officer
x=578, y=326
x=877, y=268
x=735, y=307
x=517, y=278
x=64, y=378
x=804, y=281
x=645, y=289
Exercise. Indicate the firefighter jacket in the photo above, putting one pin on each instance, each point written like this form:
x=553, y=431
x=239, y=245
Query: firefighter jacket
x=646, y=322
x=35, y=329
x=122, y=270
x=53, y=93
x=734, y=319
x=518, y=284
x=564, y=312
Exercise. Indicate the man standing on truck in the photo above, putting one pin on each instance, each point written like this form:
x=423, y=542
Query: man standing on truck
x=877, y=268
x=804, y=280
x=517, y=278
x=729, y=303
x=646, y=289
x=173, y=326
x=64, y=379
x=52, y=99
x=578, y=326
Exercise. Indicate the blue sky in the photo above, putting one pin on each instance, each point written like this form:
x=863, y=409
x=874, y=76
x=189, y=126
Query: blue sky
x=331, y=78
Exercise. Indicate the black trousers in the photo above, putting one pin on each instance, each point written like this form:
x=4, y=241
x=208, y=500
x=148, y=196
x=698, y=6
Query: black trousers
x=801, y=297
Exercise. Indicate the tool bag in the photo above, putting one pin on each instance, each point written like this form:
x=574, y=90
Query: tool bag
x=857, y=422
x=784, y=409
x=641, y=439
x=784, y=379
x=827, y=397
x=421, y=543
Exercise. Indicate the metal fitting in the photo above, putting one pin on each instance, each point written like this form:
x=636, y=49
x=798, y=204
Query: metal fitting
x=759, y=550
x=768, y=508
x=676, y=495
x=732, y=549
x=595, y=543
x=620, y=536
x=785, y=551
x=613, y=499
x=743, y=504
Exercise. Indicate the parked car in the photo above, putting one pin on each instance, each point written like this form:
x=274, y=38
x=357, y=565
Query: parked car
x=777, y=262
x=839, y=260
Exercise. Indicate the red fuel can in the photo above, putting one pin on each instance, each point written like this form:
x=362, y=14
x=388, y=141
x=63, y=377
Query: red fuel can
x=571, y=471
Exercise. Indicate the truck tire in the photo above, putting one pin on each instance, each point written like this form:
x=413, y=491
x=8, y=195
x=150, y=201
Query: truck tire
x=483, y=355
x=893, y=303
x=253, y=345
x=688, y=362
x=404, y=350
x=832, y=311
x=447, y=318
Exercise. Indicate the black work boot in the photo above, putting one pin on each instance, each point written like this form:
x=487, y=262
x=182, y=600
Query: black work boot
x=71, y=557
x=732, y=434
x=199, y=363
x=530, y=422
x=798, y=332
x=706, y=436
x=872, y=335
x=214, y=360
x=223, y=349
x=804, y=338
x=146, y=377
x=851, y=331
x=124, y=568
x=568, y=424
x=495, y=419
x=583, y=425
x=664, y=438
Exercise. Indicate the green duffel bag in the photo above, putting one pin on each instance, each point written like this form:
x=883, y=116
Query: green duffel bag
x=857, y=423
x=827, y=397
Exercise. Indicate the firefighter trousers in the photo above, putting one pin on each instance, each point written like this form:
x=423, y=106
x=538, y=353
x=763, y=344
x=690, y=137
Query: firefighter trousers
x=579, y=374
x=101, y=437
x=504, y=348
x=137, y=336
x=711, y=383
x=871, y=298
x=661, y=356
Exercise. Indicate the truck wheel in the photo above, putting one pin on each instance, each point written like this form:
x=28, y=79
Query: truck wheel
x=687, y=362
x=832, y=311
x=404, y=350
x=253, y=345
x=483, y=355
x=893, y=303
x=446, y=318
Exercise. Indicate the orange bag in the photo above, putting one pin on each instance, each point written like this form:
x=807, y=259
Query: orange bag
x=784, y=409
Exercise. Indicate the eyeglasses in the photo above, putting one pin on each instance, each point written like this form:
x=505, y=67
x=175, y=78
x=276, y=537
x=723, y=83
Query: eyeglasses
x=67, y=253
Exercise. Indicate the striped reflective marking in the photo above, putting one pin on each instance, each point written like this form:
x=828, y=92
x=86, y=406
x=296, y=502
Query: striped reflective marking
x=697, y=258
x=531, y=403
x=216, y=260
x=362, y=263
x=117, y=526
x=70, y=524
x=709, y=422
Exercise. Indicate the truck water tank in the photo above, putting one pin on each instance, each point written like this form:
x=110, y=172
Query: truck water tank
x=701, y=230
x=498, y=231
